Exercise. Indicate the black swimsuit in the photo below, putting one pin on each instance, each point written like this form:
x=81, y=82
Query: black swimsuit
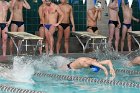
x=127, y=25
x=2, y=26
x=18, y=23
x=41, y=25
x=64, y=25
x=94, y=29
x=68, y=65
x=113, y=22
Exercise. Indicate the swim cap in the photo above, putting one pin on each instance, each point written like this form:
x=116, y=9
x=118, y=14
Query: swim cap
x=94, y=68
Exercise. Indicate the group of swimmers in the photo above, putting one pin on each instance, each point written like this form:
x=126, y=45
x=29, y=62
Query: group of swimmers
x=114, y=23
x=60, y=16
x=51, y=17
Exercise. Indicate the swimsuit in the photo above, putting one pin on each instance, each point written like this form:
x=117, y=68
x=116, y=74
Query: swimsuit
x=113, y=22
x=127, y=25
x=64, y=25
x=48, y=26
x=18, y=23
x=2, y=26
x=41, y=25
x=68, y=65
x=94, y=29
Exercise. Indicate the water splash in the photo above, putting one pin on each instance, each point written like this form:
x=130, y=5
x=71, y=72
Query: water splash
x=22, y=70
x=107, y=53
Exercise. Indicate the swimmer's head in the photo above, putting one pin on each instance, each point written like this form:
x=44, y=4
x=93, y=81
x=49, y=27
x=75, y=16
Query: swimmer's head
x=63, y=1
x=48, y=2
x=95, y=68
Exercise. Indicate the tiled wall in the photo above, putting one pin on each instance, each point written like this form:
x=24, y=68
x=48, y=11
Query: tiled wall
x=136, y=13
x=31, y=17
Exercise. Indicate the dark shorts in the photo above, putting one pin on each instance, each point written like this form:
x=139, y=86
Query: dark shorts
x=113, y=22
x=2, y=26
x=94, y=29
x=64, y=25
x=18, y=23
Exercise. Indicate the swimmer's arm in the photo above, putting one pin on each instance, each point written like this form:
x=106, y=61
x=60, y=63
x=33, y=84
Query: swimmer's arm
x=99, y=14
x=12, y=3
x=26, y=5
x=60, y=13
x=11, y=15
x=40, y=12
x=135, y=19
x=109, y=63
x=92, y=17
x=72, y=19
x=119, y=21
x=123, y=4
x=100, y=66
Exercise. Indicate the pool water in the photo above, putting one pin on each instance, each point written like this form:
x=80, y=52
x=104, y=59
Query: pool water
x=57, y=85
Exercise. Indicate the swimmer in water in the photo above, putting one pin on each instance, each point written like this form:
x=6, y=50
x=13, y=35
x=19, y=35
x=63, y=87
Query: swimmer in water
x=84, y=62
x=135, y=61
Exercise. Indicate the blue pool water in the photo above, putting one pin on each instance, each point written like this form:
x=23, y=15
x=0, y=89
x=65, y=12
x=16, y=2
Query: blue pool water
x=26, y=67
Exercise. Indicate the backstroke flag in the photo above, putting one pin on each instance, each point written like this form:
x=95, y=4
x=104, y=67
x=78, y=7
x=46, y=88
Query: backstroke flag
x=139, y=3
x=107, y=1
x=130, y=2
x=94, y=2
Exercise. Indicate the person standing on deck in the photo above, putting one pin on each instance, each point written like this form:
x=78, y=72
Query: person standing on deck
x=41, y=26
x=126, y=26
x=93, y=15
x=50, y=18
x=17, y=23
x=114, y=24
x=4, y=24
x=64, y=27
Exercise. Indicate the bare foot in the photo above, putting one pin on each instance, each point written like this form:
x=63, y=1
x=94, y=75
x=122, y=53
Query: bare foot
x=51, y=53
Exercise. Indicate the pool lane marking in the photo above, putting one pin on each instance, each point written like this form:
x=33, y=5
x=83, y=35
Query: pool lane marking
x=89, y=80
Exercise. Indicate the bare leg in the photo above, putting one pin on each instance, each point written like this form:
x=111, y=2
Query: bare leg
x=21, y=29
x=13, y=29
x=4, y=40
x=67, y=36
x=129, y=38
x=90, y=30
x=59, y=39
x=51, y=31
x=111, y=34
x=117, y=38
x=124, y=30
x=47, y=35
x=41, y=34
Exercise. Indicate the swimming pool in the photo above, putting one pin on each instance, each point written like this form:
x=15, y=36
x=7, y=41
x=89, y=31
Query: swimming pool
x=48, y=79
